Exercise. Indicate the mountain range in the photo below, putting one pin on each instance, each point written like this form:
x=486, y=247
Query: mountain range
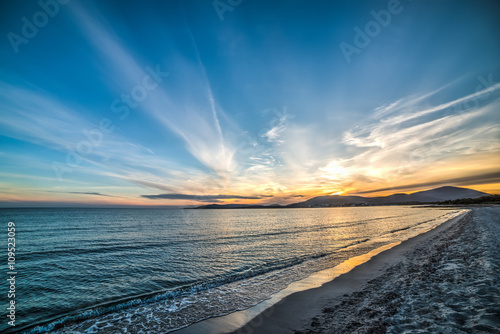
x=441, y=194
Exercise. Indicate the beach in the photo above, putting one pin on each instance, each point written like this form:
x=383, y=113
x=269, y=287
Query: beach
x=196, y=267
x=441, y=281
x=433, y=269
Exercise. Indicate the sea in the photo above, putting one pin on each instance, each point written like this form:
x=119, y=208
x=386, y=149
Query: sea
x=157, y=270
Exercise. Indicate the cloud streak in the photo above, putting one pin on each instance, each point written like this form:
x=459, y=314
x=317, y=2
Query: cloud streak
x=461, y=181
x=193, y=117
x=202, y=198
x=408, y=136
x=82, y=193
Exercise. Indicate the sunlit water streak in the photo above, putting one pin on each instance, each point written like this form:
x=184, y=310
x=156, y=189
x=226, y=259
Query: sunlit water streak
x=95, y=268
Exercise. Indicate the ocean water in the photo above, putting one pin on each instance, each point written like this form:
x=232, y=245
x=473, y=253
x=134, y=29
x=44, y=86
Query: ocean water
x=118, y=270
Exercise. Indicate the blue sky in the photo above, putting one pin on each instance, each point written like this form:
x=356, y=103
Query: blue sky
x=188, y=102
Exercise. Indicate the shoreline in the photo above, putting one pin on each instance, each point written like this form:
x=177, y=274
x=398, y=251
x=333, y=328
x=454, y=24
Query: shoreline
x=167, y=314
x=286, y=311
x=446, y=282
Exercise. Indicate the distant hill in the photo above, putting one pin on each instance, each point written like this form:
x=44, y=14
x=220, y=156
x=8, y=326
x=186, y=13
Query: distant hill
x=330, y=201
x=485, y=200
x=238, y=206
x=427, y=196
x=442, y=194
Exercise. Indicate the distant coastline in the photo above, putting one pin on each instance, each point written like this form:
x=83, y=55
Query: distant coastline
x=439, y=196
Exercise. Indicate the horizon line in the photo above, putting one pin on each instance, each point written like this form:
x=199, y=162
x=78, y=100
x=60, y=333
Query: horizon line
x=80, y=205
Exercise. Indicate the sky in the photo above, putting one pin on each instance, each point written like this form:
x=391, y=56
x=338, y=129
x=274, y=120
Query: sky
x=175, y=103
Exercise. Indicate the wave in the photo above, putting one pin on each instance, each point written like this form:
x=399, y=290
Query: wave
x=92, y=311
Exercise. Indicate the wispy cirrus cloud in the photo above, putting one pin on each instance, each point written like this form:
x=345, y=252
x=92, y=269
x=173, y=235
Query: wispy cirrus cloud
x=82, y=193
x=461, y=181
x=202, y=198
x=278, y=124
x=408, y=136
x=393, y=144
x=193, y=117
x=37, y=117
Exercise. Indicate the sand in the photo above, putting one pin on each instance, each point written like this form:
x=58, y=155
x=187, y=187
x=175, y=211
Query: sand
x=446, y=280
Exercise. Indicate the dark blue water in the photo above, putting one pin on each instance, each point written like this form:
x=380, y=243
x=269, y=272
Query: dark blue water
x=82, y=270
